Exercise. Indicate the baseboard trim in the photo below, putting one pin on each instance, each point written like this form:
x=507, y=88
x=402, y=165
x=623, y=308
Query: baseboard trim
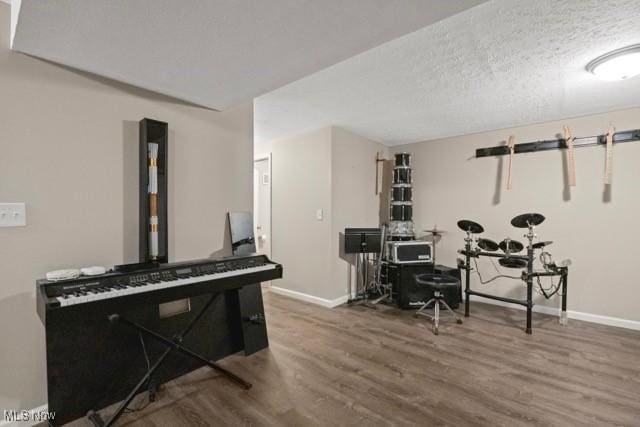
x=577, y=315
x=571, y=314
x=310, y=298
x=33, y=421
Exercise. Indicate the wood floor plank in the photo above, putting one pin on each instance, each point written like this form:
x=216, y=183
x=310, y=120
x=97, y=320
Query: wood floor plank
x=361, y=367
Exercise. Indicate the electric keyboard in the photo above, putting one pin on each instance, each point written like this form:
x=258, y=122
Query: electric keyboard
x=179, y=278
x=93, y=357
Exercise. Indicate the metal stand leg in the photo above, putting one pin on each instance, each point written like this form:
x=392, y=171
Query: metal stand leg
x=436, y=317
x=453, y=313
x=529, y=287
x=467, y=282
x=357, y=297
x=386, y=290
x=563, y=314
x=384, y=297
x=173, y=344
x=365, y=276
x=362, y=293
x=529, y=307
x=424, y=307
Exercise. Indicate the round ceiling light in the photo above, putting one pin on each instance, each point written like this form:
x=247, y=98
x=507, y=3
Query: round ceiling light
x=620, y=64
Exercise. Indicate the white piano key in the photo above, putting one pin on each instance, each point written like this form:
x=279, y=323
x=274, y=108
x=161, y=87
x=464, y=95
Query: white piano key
x=149, y=287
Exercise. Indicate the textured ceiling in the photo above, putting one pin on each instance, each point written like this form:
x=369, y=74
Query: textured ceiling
x=216, y=53
x=501, y=64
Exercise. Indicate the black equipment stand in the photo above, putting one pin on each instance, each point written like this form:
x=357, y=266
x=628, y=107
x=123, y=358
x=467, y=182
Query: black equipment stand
x=362, y=272
x=527, y=277
x=172, y=344
x=362, y=242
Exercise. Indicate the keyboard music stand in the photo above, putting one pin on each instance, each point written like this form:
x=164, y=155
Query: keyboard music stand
x=172, y=344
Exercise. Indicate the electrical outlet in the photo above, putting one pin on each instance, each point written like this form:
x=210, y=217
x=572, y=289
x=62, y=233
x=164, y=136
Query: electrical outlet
x=13, y=215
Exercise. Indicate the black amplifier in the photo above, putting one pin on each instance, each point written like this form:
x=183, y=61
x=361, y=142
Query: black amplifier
x=410, y=296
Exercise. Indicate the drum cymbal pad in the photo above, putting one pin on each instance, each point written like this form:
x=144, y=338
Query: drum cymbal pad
x=470, y=226
x=512, y=262
x=539, y=245
x=487, y=245
x=525, y=220
x=510, y=246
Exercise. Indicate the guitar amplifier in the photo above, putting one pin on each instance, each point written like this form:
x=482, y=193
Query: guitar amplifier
x=413, y=251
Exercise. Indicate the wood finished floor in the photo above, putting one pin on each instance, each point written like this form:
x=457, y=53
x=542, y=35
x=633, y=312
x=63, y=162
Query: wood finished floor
x=359, y=367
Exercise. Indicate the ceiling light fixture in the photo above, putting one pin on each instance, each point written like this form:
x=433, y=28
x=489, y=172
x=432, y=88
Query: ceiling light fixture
x=620, y=64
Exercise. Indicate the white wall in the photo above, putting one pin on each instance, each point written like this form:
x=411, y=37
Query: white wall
x=329, y=169
x=68, y=148
x=353, y=198
x=301, y=184
x=261, y=149
x=597, y=230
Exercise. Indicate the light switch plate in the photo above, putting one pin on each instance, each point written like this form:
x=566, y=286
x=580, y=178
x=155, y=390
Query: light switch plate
x=319, y=214
x=13, y=215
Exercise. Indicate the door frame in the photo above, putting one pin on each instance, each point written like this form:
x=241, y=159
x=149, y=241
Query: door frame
x=268, y=157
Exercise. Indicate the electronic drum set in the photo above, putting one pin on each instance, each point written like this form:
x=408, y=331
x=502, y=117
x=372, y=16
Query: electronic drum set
x=508, y=252
x=508, y=246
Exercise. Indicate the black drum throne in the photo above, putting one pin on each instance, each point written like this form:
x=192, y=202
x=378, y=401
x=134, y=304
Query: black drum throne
x=438, y=283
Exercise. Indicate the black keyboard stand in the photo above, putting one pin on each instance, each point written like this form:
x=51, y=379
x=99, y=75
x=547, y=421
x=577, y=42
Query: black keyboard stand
x=172, y=344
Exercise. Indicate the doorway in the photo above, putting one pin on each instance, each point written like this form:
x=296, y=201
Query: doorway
x=262, y=204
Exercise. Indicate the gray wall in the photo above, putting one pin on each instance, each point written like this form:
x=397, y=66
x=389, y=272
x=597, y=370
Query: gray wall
x=68, y=147
x=596, y=227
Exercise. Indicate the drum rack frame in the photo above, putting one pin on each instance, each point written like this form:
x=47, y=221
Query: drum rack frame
x=560, y=143
x=527, y=277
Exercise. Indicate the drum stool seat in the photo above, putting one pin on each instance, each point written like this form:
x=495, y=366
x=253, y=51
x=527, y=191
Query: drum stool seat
x=438, y=283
